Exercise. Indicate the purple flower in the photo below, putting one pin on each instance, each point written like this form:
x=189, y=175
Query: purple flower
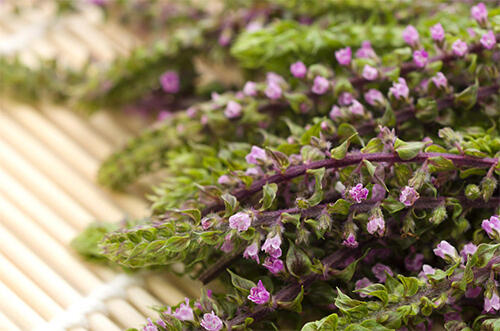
x=252, y=252
x=445, y=251
x=350, y=241
x=356, y=108
x=374, y=97
x=408, y=196
x=343, y=56
x=150, y=326
x=376, y=224
x=410, y=35
x=358, y=193
x=170, y=82
x=233, y=109
x=206, y=223
x=399, y=89
x=420, y=58
x=272, y=246
x=298, y=69
x=467, y=250
x=163, y=115
x=273, y=265
x=250, y=89
x=415, y=263
x=491, y=304
x=224, y=180
x=259, y=294
x=428, y=270
x=335, y=113
x=369, y=72
x=479, y=13
x=211, y=322
x=488, y=40
x=362, y=283
x=440, y=80
x=227, y=245
x=321, y=85
x=273, y=90
x=240, y=221
x=184, y=312
x=366, y=51
x=161, y=323
x=345, y=99
x=459, y=47
x=437, y=32
x=380, y=270
x=191, y=112
x=256, y=156
x=492, y=227
x=473, y=292
x=272, y=77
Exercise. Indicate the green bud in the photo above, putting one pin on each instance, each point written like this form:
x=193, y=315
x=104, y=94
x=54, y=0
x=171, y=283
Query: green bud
x=472, y=192
x=438, y=215
x=488, y=185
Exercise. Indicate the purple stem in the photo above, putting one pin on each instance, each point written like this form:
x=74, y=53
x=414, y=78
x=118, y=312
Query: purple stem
x=350, y=159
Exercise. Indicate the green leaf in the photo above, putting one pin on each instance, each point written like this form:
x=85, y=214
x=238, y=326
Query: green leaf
x=297, y=262
x=347, y=273
x=279, y=159
x=467, y=98
x=177, y=243
x=211, y=237
x=339, y=152
x=327, y=323
x=241, y=283
x=230, y=202
x=340, y=206
x=375, y=145
x=268, y=195
x=294, y=305
x=376, y=290
x=392, y=205
x=292, y=219
x=411, y=285
x=318, y=186
x=439, y=163
x=408, y=150
x=314, y=131
x=389, y=118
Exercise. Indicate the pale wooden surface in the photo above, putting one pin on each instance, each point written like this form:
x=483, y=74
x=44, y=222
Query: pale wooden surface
x=48, y=162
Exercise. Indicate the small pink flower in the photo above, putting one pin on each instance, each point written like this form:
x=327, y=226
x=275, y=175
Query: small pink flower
x=256, y=156
x=467, y=250
x=170, y=82
x=420, y=58
x=437, y=32
x=321, y=85
x=211, y=322
x=410, y=35
x=252, y=252
x=161, y=323
x=273, y=91
x=343, y=56
x=376, y=224
x=350, y=241
x=366, y=51
x=227, y=245
x=488, y=40
x=191, y=112
x=272, y=246
x=358, y=193
x=356, y=108
x=492, y=304
x=240, y=221
x=335, y=113
x=362, y=283
x=408, y=196
x=440, y=80
x=272, y=77
x=163, y=115
x=259, y=294
x=479, y=13
x=250, y=89
x=369, y=72
x=184, y=312
x=414, y=263
x=445, y=251
x=224, y=180
x=150, y=326
x=380, y=270
x=233, y=109
x=492, y=227
x=206, y=223
x=428, y=270
x=399, y=89
x=298, y=69
x=374, y=97
x=459, y=47
x=273, y=265
x=345, y=99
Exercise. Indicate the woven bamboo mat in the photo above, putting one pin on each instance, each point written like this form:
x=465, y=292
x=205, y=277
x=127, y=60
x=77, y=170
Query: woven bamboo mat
x=48, y=161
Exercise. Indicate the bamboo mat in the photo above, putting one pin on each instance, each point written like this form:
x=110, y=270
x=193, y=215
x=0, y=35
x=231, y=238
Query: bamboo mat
x=49, y=157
